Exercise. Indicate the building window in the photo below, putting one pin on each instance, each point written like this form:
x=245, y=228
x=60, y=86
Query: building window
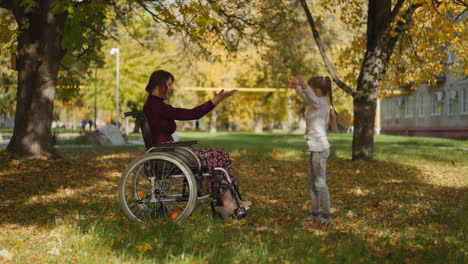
x=421, y=105
x=451, y=99
x=384, y=109
x=399, y=102
x=464, y=101
x=409, y=106
x=436, y=105
x=387, y=108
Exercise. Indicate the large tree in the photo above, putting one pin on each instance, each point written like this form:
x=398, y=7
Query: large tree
x=50, y=30
x=40, y=36
x=386, y=23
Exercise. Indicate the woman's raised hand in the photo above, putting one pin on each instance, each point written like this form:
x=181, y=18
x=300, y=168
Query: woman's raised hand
x=222, y=95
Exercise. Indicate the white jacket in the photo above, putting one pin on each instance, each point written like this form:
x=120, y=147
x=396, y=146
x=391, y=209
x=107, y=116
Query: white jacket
x=316, y=119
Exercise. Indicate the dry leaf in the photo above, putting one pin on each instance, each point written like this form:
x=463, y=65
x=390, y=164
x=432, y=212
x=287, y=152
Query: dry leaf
x=6, y=255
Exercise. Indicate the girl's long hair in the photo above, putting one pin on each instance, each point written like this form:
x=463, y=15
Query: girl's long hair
x=324, y=84
x=158, y=79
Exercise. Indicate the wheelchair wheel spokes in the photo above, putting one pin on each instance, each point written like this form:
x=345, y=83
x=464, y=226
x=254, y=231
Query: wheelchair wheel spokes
x=158, y=185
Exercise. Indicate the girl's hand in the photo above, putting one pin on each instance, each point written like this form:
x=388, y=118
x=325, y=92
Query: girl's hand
x=293, y=83
x=301, y=82
x=222, y=95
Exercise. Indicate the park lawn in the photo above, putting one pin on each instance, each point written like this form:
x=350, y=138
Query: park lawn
x=407, y=206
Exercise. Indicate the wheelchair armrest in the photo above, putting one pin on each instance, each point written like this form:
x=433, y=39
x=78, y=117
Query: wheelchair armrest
x=177, y=144
x=134, y=114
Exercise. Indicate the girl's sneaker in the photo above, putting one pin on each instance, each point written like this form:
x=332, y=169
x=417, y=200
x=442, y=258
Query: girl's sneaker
x=326, y=219
x=313, y=217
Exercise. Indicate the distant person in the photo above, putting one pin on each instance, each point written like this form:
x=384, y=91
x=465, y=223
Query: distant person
x=315, y=93
x=197, y=125
x=161, y=117
x=90, y=123
x=84, y=122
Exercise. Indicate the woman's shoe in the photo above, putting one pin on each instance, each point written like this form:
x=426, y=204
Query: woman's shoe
x=246, y=204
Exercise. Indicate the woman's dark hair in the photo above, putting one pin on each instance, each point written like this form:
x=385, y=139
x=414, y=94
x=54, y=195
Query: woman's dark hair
x=159, y=78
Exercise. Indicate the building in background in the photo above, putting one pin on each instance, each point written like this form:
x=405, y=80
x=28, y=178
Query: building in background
x=440, y=111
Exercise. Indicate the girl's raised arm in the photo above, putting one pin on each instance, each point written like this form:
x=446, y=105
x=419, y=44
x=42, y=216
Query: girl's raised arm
x=302, y=89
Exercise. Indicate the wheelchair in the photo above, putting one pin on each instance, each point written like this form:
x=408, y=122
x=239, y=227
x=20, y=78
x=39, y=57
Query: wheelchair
x=168, y=181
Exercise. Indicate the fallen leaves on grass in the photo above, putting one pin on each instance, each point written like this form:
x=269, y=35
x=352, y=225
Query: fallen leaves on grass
x=6, y=255
x=144, y=247
x=372, y=201
x=274, y=153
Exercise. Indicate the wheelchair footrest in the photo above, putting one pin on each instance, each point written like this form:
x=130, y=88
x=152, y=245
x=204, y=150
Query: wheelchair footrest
x=240, y=212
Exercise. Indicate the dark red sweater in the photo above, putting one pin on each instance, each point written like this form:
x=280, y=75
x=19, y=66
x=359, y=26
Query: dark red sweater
x=161, y=117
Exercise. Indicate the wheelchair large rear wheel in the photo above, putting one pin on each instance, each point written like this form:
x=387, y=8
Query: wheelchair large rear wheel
x=157, y=186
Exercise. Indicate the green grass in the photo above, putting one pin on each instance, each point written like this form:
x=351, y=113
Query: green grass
x=78, y=140
x=407, y=206
x=392, y=148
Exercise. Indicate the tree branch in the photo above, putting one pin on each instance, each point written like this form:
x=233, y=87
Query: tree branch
x=413, y=48
x=155, y=16
x=68, y=72
x=401, y=24
x=236, y=22
x=435, y=5
x=321, y=47
x=396, y=9
x=231, y=18
x=100, y=33
x=461, y=2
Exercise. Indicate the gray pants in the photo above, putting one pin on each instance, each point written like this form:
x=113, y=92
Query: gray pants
x=318, y=181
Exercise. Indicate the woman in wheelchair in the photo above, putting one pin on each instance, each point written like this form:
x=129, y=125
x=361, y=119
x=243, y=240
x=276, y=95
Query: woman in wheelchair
x=161, y=119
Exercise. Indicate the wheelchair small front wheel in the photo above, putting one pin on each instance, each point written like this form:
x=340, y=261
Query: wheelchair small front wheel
x=157, y=185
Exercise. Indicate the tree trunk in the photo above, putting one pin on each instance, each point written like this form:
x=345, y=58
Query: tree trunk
x=365, y=101
x=2, y=120
x=380, y=45
x=372, y=72
x=363, y=135
x=136, y=128
x=214, y=118
x=40, y=52
x=258, y=129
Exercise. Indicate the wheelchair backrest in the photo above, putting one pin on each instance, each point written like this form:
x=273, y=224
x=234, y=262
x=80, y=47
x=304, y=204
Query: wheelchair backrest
x=144, y=127
x=180, y=149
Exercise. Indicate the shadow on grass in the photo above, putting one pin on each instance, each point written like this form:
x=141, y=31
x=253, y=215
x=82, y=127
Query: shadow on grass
x=383, y=210
x=35, y=192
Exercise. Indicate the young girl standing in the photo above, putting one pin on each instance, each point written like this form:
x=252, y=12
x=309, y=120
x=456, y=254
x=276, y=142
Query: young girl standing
x=317, y=94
